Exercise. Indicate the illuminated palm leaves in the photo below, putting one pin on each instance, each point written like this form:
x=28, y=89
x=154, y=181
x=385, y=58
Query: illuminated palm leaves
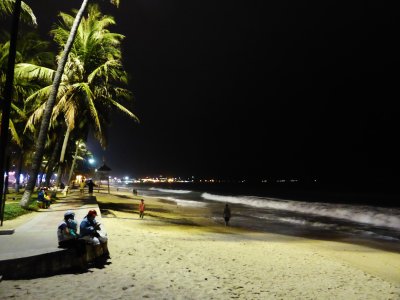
x=7, y=7
x=93, y=81
x=30, y=49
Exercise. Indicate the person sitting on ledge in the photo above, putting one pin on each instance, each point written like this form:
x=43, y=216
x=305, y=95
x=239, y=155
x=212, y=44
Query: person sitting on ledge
x=47, y=198
x=44, y=198
x=67, y=234
x=90, y=231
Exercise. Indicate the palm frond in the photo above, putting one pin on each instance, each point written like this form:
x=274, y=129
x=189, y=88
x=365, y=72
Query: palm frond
x=7, y=8
x=92, y=107
x=41, y=95
x=124, y=109
x=115, y=2
x=70, y=113
x=103, y=69
x=34, y=72
x=19, y=111
x=35, y=117
x=14, y=133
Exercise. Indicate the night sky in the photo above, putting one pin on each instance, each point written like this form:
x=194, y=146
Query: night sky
x=255, y=89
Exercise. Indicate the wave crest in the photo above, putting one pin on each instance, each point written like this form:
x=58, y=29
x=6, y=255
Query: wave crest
x=378, y=216
x=171, y=191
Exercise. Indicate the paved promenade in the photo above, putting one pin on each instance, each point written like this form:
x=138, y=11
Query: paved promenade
x=37, y=237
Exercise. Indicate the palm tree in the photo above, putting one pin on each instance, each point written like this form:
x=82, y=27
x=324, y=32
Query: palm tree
x=40, y=142
x=33, y=50
x=92, y=77
x=8, y=7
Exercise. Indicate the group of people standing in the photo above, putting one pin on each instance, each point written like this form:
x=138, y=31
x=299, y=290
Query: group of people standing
x=89, y=183
x=89, y=232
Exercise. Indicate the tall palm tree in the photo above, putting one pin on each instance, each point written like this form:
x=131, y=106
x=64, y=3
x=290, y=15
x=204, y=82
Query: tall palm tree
x=9, y=7
x=93, y=77
x=30, y=49
x=40, y=142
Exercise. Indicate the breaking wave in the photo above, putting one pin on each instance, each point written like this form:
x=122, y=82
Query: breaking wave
x=378, y=216
x=171, y=191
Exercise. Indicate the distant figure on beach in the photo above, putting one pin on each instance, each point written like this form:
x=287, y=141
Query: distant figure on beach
x=134, y=192
x=82, y=187
x=90, y=184
x=67, y=233
x=141, y=208
x=227, y=214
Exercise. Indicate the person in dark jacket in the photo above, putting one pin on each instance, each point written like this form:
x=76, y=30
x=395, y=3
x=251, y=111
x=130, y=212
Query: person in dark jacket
x=90, y=231
x=90, y=185
x=227, y=214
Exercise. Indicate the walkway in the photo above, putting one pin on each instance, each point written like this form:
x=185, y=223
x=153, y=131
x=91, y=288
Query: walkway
x=36, y=239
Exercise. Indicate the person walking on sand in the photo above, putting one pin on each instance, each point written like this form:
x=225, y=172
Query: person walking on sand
x=82, y=187
x=90, y=184
x=227, y=214
x=141, y=208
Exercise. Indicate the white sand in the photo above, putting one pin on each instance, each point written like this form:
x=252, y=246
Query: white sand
x=154, y=258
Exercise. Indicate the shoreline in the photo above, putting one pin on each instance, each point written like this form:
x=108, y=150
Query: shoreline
x=180, y=253
x=346, y=248
x=388, y=245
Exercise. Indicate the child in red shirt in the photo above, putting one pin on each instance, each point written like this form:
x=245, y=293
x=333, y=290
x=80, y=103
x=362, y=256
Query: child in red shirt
x=141, y=208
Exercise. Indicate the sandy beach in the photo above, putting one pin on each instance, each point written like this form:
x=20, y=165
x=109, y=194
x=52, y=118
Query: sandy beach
x=179, y=253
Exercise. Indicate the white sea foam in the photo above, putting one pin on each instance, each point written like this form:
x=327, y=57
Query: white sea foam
x=378, y=216
x=187, y=203
x=305, y=222
x=171, y=191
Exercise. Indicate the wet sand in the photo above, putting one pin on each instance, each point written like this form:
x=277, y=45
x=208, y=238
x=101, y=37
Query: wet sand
x=180, y=253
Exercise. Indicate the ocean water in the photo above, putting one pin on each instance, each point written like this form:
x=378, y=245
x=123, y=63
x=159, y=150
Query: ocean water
x=297, y=210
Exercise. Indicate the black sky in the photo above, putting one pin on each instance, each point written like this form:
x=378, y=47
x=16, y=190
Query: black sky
x=255, y=88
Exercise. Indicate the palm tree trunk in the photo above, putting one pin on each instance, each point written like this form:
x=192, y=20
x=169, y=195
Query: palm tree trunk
x=62, y=157
x=39, y=183
x=71, y=172
x=6, y=102
x=40, y=142
x=17, y=177
x=52, y=161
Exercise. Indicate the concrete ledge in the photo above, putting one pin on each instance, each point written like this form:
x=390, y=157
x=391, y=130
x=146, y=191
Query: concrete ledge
x=61, y=261
x=32, y=249
x=6, y=231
